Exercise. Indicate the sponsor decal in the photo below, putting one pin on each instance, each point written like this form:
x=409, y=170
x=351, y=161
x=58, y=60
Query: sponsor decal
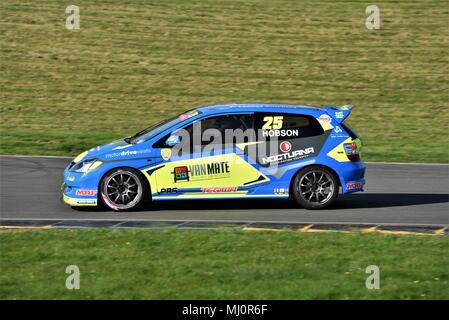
x=357, y=185
x=339, y=114
x=273, y=122
x=127, y=153
x=166, y=154
x=335, y=133
x=181, y=174
x=81, y=192
x=219, y=189
x=272, y=127
x=285, y=146
x=202, y=171
x=87, y=201
x=280, y=191
x=325, y=118
x=281, y=133
x=169, y=190
x=188, y=115
x=289, y=156
x=211, y=170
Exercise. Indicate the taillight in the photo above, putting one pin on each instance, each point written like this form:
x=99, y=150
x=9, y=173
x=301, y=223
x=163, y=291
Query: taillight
x=352, y=151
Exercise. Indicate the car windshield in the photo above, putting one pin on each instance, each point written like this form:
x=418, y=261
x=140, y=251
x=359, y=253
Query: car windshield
x=160, y=127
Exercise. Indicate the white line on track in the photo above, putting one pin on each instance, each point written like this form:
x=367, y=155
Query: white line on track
x=410, y=163
x=233, y=221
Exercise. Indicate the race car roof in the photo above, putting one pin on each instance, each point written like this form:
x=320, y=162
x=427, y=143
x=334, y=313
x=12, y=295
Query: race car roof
x=255, y=107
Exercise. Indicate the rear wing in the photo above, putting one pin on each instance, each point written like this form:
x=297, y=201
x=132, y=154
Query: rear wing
x=338, y=113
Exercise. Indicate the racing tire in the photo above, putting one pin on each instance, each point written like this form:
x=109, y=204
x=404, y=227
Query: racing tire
x=315, y=187
x=124, y=189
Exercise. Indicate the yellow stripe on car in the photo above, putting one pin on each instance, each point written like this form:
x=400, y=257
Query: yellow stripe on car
x=338, y=153
x=202, y=195
x=80, y=157
x=241, y=173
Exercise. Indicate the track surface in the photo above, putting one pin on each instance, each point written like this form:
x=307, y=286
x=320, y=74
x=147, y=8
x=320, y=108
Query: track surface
x=395, y=194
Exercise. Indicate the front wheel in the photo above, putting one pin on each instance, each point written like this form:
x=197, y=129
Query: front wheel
x=123, y=189
x=315, y=187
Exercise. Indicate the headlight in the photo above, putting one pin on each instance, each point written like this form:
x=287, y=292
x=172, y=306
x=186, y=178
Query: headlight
x=86, y=165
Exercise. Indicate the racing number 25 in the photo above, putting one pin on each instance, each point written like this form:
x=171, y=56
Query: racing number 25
x=273, y=123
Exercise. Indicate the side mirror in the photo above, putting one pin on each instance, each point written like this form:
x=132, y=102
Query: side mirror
x=172, y=141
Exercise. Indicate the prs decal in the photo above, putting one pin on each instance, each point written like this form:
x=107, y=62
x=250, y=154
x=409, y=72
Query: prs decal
x=169, y=190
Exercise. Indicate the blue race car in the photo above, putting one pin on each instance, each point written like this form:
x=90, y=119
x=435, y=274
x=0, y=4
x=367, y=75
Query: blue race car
x=224, y=152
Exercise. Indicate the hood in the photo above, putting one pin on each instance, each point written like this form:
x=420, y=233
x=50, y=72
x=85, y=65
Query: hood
x=117, y=150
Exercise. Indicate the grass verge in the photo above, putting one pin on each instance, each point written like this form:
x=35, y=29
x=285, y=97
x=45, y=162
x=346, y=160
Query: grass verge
x=133, y=63
x=173, y=264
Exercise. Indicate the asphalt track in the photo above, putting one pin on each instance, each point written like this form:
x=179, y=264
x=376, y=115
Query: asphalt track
x=403, y=194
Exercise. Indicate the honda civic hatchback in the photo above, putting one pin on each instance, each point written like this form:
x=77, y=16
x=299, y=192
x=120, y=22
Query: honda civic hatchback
x=232, y=151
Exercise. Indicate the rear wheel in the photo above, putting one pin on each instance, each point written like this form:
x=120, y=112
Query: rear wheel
x=123, y=189
x=315, y=187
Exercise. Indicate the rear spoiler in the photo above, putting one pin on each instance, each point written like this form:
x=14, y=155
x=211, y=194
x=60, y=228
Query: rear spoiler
x=338, y=113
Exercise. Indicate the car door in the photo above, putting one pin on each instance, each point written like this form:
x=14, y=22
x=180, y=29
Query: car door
x=205, y=161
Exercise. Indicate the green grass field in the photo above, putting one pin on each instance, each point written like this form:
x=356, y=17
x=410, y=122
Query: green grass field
x=151, y=264
x=133, y=63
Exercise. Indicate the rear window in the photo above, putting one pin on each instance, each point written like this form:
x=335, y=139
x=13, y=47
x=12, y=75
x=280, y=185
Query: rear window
x=350, y=131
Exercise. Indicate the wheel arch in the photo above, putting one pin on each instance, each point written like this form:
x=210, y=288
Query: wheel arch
x=139, y=172
x=290, y=188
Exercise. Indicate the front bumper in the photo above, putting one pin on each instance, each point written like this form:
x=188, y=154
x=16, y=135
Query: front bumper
x=80, y=189
x=79, y=202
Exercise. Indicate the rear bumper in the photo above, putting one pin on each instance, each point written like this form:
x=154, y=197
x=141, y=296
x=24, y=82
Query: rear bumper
x=352, y=176
x=354, y=186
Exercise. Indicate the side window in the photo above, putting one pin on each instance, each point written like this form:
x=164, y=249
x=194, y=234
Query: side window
x=230, y=128
x=200, y=132
x=224, y=124
x=286, y=126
